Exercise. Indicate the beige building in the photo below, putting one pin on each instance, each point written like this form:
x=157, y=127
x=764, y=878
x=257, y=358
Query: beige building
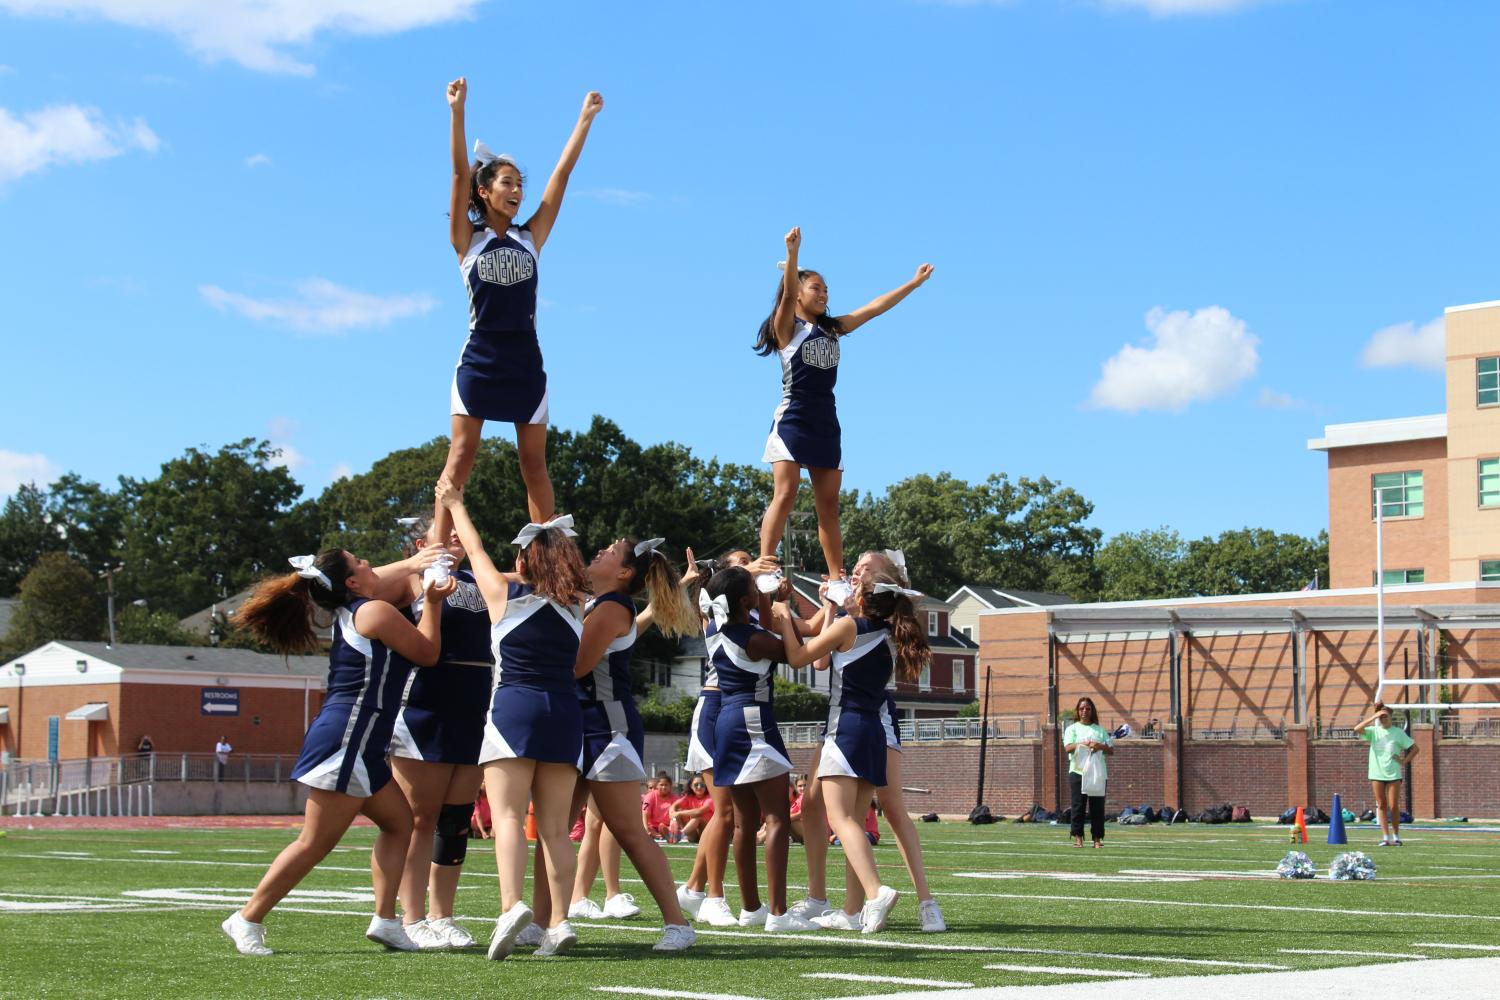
x=1439, y=475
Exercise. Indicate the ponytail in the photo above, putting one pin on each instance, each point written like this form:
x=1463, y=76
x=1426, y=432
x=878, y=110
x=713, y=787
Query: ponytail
x=279, y=612
x=553, y=566
x=765, y=338
x=675, y=614
x=900, y=615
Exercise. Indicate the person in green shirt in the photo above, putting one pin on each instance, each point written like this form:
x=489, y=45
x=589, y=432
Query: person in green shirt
x=1080, y=740
x=1390, y=751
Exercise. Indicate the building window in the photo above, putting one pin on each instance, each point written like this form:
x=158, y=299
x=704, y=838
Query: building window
x=932, y=622
x=958, y=677
x=1488, y=377
x=924, y=680
x=968, y=631
x=1489, y=482
x=1489, y=570
x=1397, y=576
x=1400, y=493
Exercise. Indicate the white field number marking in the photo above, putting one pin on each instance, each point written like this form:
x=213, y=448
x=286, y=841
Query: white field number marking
x=648, y=991
x=1063, y=970
x=205, y=894
x=1086, y=876
x=853, y=977
x=1356, y=954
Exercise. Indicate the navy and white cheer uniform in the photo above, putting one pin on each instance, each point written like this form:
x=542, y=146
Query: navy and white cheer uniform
x=805, y=427
x=500, y=374
x=614, y=738
x=747, y=744
x=344, y=749
x=442, y=712
x=700, y=755
x=855, y=742
x=534, y=708
x=890, y=721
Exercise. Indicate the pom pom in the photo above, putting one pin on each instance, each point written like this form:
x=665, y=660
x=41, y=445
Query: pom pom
x=1354, y=866
x=1296, y=865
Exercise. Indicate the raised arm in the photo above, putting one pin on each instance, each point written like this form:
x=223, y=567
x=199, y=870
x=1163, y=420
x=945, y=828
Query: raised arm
x=606, y=623
x=493, y=585
x=542, y=220
x=886, y=302
x=420, y=643
x=838, y=636
x=784, y=319
x=460, y=229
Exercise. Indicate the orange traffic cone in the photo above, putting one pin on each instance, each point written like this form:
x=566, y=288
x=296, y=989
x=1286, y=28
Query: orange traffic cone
x=1301, y=826
x=531, y=821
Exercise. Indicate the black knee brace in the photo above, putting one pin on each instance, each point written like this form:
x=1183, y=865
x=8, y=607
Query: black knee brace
x=450, y=842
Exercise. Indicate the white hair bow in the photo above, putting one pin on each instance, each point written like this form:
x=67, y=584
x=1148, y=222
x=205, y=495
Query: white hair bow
x=716, y=609
x=896, y=588
x=485, y=157
x=649, y=545
x=898, y=559
x=528, y=533
x=305, y=569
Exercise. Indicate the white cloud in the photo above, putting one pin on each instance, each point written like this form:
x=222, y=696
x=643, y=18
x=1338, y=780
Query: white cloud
x=255, y=33
x=17, y=469
x=7, y=70
x=340, y=471
x=321, y=307
x=65, y=133
x=1407, y=344
x=1188, y=357
x=1270, y=399
x=1172, y=8
x=287, y=457
x=617, y=196
x=257, y=160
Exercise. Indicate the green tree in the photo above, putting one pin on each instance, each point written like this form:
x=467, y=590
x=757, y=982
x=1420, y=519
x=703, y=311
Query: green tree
x=210, y=524
x=1142, y=565
x=26, y=534
x=1254, y=561
x=91, y=521
x=135, y=623
x=58, y=600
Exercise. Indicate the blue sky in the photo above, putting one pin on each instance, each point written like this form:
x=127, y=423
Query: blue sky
x=1170, y=236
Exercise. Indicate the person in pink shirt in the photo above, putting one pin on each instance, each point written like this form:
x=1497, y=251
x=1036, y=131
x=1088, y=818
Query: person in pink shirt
x=692, y=812
x=656, y=806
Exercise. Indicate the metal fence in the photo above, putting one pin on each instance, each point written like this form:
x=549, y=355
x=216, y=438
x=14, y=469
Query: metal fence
x=122, y=786
x=1259, y=731
x=1455, y=728
x=929, y=730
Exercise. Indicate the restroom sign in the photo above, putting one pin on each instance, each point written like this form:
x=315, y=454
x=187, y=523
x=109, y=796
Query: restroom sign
x=221, y=701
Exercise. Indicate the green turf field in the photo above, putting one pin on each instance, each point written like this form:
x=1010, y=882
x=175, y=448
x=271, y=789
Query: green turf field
x=112, y=913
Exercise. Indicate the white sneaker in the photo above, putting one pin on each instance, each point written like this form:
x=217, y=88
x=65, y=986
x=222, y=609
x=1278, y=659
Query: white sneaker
x=767, y=583
x=425, y=937
x=872, y=919
x=390, y=933
x=837, y=920
x=557, y=940
x=531, y=936
x=456, y=935
x=808, y=908
x=715, y=912
x=787, y=923
x=675, y=937
x=754, y=918
x=248, y=938
x=932, y=917
x=585, y=909
x=507, y=926
x=621, y=907
x=690, y=901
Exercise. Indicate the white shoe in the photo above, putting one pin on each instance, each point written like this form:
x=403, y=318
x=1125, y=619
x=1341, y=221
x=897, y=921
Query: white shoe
x=248, y=938
x=808, y=908
x=675, y=937
x=872, y=919
x=837, y=920
x=932, y=917
x=531, y=936
x=456, y=935
x=390, y=933
x=787, y=923
x=754, y=918
x=715, y=912
x=557, y=940
x=621, y=907
x=507, y=926
x=690, y=901
x=585, y=909
x=767, y=583
x=425, y=937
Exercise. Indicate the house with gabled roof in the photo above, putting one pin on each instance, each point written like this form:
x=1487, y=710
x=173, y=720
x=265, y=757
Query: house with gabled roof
x=971, y=599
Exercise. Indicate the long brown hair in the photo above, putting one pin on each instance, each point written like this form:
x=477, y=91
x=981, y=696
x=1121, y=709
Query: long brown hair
x=898, y=612
x=654, y=573
x=1093, y=710
x=554, y=567
x=483, y=175
x=279, y=612
x=765, y=338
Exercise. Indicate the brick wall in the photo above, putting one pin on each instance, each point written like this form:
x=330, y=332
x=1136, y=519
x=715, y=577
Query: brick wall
x=172, y=715
x=1467, y=776
x=1240, y=774
x=30, y=708
x=1410, y=543
x=949, y=772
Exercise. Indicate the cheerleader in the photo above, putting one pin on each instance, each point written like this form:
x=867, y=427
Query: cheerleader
x=805, y=427
x=614, y=739
x=866, y=647
x=343, y=754
x=499, y=374
x=892, y=563
x=534, y=730
x=749, y=756
x=435, y=750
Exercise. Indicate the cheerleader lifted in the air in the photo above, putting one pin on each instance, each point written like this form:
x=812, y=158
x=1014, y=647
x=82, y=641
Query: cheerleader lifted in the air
x=805, y=427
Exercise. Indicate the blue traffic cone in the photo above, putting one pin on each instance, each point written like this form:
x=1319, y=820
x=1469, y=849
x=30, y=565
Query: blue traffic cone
x=1336, y=834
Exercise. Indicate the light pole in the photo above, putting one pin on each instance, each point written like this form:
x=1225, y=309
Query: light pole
x=1380, y=589
x=109, y=576
x=20, y=670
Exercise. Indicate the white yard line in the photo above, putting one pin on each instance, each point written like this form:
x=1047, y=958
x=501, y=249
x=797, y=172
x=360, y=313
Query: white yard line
x=1393, y=914
x=1063, y=970
x=155, y=852
x=1456, y=947
x=853, y=977
x=651, y=991
x=1335, y=951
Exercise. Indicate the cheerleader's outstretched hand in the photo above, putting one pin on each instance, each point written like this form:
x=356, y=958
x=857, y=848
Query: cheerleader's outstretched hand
x=593, y=103
x=924, y=271
x=448, y=495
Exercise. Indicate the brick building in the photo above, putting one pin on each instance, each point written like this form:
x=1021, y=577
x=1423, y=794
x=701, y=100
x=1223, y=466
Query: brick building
x=67, y=700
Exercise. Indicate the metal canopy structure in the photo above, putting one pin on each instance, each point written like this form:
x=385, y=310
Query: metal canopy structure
x=1084, y=623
